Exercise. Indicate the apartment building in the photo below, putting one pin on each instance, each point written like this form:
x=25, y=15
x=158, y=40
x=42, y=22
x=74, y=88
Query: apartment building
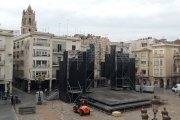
x=143, y=64
x=177, y=67
x=6, y=61
x=38, y=54
x=163, y=64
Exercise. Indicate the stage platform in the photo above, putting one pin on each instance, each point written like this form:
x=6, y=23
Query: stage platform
x=109, y=100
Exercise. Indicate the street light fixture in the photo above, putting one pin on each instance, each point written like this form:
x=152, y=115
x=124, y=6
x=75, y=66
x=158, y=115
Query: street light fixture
x=40, y=78
x=155, y=103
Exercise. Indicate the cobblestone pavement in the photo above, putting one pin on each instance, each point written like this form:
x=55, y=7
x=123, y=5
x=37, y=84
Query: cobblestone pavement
x=58, y=110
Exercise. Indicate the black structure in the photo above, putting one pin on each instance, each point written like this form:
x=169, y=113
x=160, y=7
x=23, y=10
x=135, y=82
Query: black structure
x=110, y=100
x=120, y=68
x=72, y=75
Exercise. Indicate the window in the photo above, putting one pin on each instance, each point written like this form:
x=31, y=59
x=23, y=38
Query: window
x=155, y=51
x=156, y=71
x=143, y=62
x=161, y=62
x=156, y=62
x=143, y=72
x=161, y=72
x=73, y=47
x=59, y=47
x=161, y=52
x=144, y=44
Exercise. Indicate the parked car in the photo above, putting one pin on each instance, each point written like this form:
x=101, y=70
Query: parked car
x=176, y=88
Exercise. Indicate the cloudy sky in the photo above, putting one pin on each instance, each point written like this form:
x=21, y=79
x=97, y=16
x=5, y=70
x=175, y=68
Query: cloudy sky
x=117, y=19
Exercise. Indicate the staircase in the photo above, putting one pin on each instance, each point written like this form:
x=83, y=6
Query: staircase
x=53, y=95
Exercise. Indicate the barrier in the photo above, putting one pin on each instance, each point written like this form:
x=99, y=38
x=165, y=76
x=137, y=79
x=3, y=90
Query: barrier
x=27, y=110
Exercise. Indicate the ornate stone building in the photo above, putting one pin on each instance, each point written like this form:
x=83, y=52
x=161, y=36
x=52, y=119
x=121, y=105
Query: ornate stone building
x=28, y=21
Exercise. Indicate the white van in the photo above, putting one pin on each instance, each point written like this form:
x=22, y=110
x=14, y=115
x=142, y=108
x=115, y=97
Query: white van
x=176, y=88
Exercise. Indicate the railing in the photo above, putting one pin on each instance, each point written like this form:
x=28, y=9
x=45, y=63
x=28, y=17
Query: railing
x=55, y=64
x=38, y=55
x=41, y=66
x=36, y=77
x=41, y=44
x=2, y=62
x=58, y=51
x=2, y=47
x=158, y=55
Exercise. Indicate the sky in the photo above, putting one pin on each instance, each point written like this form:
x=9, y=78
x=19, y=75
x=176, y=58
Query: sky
x=119, y=20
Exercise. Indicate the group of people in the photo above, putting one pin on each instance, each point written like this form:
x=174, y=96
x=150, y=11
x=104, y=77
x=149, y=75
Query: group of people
x=14, y=99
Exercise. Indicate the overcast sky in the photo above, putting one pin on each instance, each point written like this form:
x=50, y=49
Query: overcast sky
x=117, y=19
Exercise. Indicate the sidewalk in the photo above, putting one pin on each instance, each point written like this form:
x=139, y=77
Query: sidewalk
x=7, y=111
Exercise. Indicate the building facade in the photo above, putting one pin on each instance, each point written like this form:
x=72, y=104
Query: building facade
x=6, y=61
x=163, y=64
x=38, y=54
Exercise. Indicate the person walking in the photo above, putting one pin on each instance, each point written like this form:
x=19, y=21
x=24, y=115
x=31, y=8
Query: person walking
x=12, y=100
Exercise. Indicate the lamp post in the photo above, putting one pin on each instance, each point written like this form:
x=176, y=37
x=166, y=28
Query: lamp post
x=155, y=103
x=40, y=78
x=39, y=96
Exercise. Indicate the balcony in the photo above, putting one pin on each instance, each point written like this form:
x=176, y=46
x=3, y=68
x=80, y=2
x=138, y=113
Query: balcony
x=36, y=77
x=55, y=64
x=41, y=44
x=39, y=55
x=56, y=51
x=176, y=74
x=2, y=77
x=2, y=62
x=158, y=55
x=40, y=66
x=2, y=47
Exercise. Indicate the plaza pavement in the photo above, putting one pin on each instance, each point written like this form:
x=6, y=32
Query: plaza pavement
x=58, y=110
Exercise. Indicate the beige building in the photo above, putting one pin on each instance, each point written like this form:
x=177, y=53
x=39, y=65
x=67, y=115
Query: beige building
x=6, y=60
x=163, y=64
x=177, y=67
x=143, y=64
x=102, y=46
x=37, y=54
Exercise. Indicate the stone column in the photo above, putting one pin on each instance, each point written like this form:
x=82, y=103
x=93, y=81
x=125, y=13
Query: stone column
x=165, y=82
x=50, y=85
x=29, y=86
x=10, y=87
x=5, y=85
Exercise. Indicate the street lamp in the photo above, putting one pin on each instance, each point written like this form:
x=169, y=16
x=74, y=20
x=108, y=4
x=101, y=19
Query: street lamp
x=40, y=78
x=144, y=114
x=155, y=103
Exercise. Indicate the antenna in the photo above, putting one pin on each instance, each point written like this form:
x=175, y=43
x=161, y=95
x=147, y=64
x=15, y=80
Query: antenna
x=67, y=26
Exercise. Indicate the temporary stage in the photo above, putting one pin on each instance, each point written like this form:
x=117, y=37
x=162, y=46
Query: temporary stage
x=109, y=100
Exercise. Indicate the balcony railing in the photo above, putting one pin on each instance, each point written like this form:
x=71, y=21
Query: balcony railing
x=36, y=77
x=41, y=44
x=2, y=62
x=158, y=55
x=55, y=64
x=39, y=55
x=176, y=74
x=2, y=77
x=2, y=47
x=41, y=66
x=58, y=51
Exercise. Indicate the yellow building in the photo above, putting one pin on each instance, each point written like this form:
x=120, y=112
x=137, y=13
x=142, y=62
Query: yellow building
x=163, y=64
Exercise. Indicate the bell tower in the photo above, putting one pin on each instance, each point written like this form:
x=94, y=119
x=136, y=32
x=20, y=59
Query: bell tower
x=28, y=21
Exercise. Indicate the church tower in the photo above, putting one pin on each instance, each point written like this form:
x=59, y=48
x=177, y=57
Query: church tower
x=28, y=21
